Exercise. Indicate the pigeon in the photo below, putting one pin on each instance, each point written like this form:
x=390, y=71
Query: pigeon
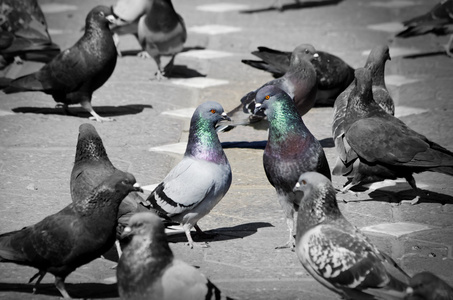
x=161, y=31
x=148, y=269
x=384, y=146
x=91, y=167
x=72, y=237
x=332, y=73
x=335, y=252
x=427, y=286
x=291, y=149
x=201, y=179
x=439, y=21
x=376, y=64
x=24, y=34
x=299, y=82
x=73, y=75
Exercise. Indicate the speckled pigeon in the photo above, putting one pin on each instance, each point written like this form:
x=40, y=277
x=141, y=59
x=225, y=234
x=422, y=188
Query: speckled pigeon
x=201, y=179
x=338, y=254
x=148, y=269
x=439, y=21
x=161, y=31
x=299, y=82
x=376, y=64
x=383, y=145
x=76, y=235
x=73, y=75
x=332, y=73
x=427, y=286
x=290, y=150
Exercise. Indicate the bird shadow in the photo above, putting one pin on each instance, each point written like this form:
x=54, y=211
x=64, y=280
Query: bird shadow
x=182, y=71
x=223, y=233
x=327, y=143
x=105, y=111
x=135, y=52
x=292, y=6
x=396, y=195
x=426, y=54
x=79, y=290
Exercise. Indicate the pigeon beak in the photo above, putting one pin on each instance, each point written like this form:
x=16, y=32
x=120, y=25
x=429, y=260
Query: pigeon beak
x=137, y=187
x=296, y=187
x=257, y=107
x=225, y=116
x=409, y=290
x=316, y=56
x=127, y=229
x=111, y=19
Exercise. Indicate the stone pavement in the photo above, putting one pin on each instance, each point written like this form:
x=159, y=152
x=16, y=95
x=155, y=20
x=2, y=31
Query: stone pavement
x=37, y=142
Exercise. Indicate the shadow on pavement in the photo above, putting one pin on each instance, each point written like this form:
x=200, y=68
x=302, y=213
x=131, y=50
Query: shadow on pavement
x=223, y=234
x=104, y=111
x=242, y=144
x=426, y=54
x=79, y=290
x=302, y=4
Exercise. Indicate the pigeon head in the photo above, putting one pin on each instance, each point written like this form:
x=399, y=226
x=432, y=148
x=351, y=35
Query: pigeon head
x=270, y=99
x=146, y=227
x=316, y=198
x=203, y=140
x=125, y=182
x=89, y=144
x=425, y=284
x=300, y=56
x=376, y=63
x=100, y=16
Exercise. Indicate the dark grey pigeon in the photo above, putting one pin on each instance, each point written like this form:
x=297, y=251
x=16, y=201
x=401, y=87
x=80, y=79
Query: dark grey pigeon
x=148, y=269
x=336, y=253
x=376, y=64
x=201, y=179
x=382, y=145
x=74, y=236
x=91, y=167
x=439, y=21
x=290, y=150
x=299, y=82
x=427, y=286
x=73, y=75
x=332, y=73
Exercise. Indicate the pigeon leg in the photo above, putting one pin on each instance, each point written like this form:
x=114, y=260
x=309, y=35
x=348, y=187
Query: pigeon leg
x=410, y=179
x=144, y=55
x=118, y=248
x=41, y=275
x=169, y=67
x=190, y=242
x=59, y=283
x=448, y=46
x=116, y=41
x=65, y=109
x=291, y=243
x=87, y=105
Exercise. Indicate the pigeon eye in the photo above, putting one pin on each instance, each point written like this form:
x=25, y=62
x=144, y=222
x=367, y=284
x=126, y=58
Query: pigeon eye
x=306, y=51
x=267, y=97
x=101, y=14
x=303, y=181
x=213, y=111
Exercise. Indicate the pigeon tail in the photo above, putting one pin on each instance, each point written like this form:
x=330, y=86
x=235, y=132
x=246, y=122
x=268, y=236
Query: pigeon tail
x=7, y=251
x=24, y=84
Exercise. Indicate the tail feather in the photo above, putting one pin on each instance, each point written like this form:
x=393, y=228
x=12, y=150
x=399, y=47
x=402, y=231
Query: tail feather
x=7, y=251
x=261, y=65
x=23, y=84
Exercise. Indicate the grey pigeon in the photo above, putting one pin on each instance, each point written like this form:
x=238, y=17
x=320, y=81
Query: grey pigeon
x=24, y=34
x=299, y=82
x=332, y=73
x=335, y=252
x=427, y=286
x=73, y=75
x=201, y=179
x=161, y=31
x=91, y=167
x=148, y=269
x=439, y=21
x=74, y=236
x=290, y=150
x=384, y=146
x=376, y=64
